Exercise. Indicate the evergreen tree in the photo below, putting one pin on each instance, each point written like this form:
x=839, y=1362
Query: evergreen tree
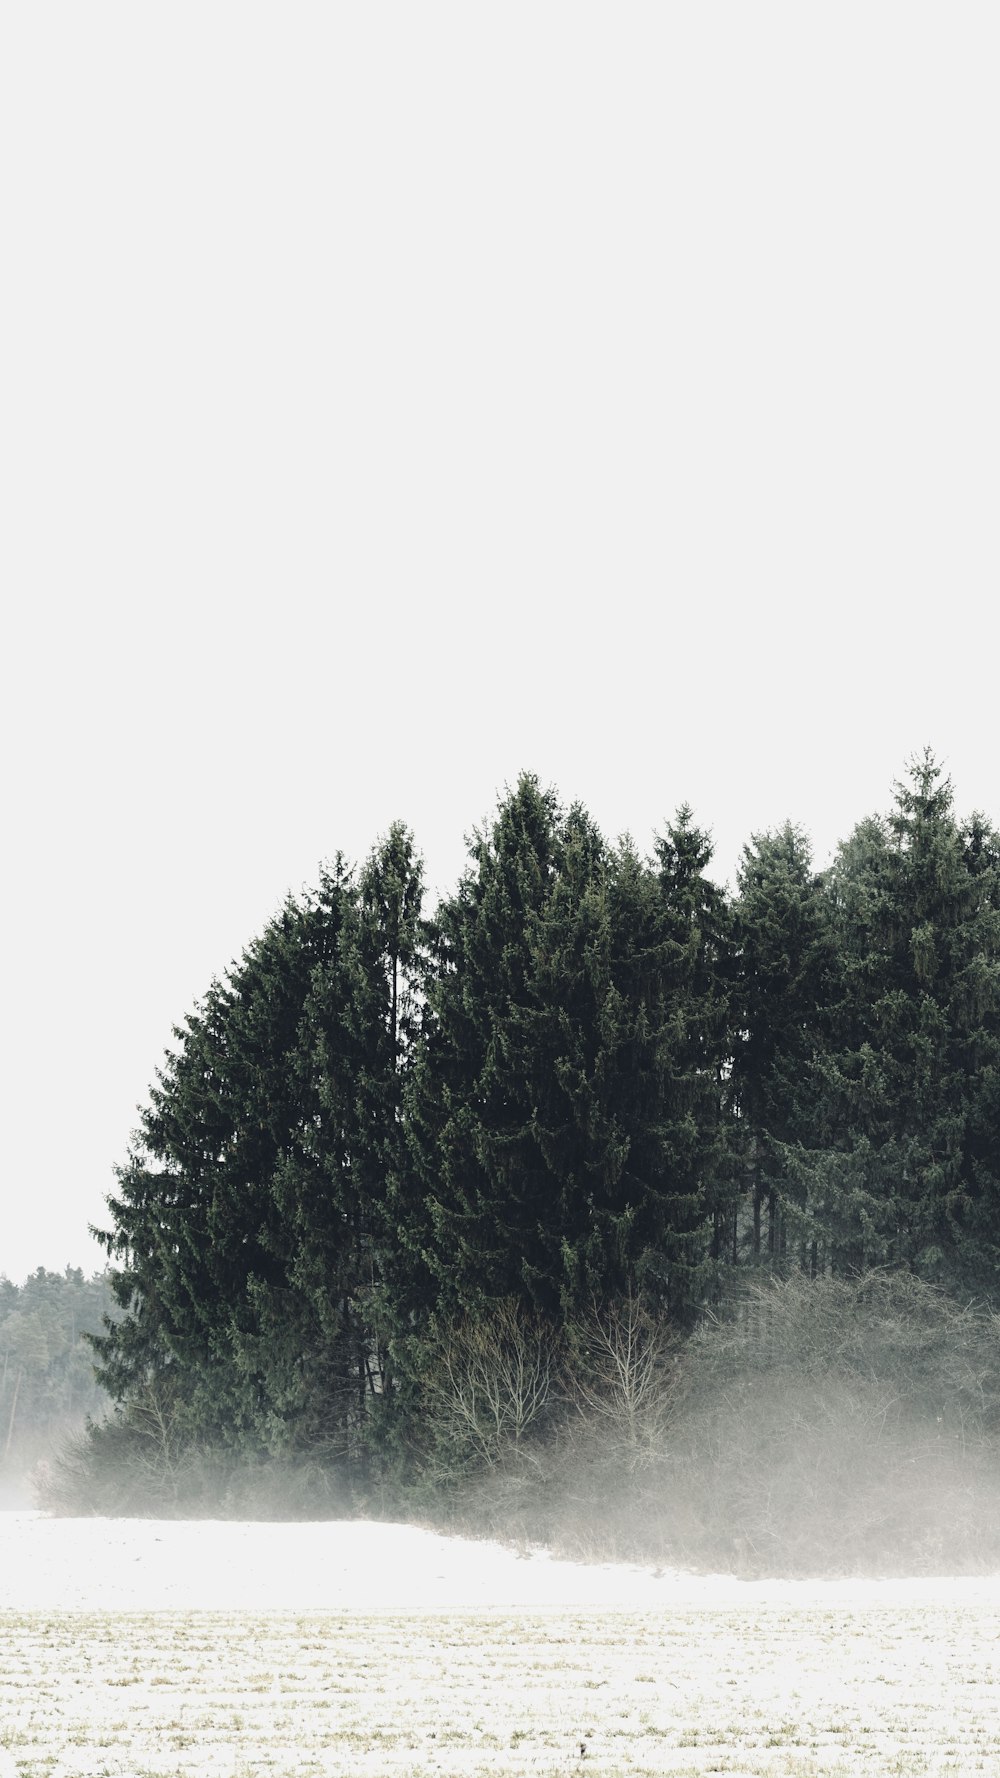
x=631, y=984
x=586, y=1080
x=566, y=1109
x=695, y=1050
x=474, y=1148
x=903, y=1164
x=785, y=979
x=254, y=1251
x=339, y=1192
x=197, y=1225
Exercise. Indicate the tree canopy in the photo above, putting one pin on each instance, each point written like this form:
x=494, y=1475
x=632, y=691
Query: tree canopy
x=585, y=1078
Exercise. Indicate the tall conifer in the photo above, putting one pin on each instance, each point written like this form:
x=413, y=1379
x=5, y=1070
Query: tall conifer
x=784, y=982
x=566, y=1113
x=903, y=1164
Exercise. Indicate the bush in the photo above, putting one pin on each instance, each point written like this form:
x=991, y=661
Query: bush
x=489, y=1382
x=622, y=1375
x=143, y=1463
x=805, y=1427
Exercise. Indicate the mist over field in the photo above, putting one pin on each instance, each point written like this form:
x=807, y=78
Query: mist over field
x=810, y=1428
x=179, y=1649
x=769, y=1550
x=819, y=1428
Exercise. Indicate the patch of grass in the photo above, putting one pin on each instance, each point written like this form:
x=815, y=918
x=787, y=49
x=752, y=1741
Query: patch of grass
x=884, y=1690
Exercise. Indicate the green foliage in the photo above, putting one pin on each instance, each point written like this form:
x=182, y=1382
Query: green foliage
x=252, y=1213
x=388, y=1154
x=566, y=1104
x=785, y=979
x=898, y=1161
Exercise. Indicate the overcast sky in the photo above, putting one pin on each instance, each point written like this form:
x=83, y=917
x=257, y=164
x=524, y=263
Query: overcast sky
x=395, y=396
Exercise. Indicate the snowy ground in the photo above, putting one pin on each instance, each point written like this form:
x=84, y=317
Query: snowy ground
x=133, y=1648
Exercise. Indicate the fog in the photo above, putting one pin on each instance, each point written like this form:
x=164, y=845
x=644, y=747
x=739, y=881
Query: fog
x=782, y=1558
x=810, y=1429
x=144, y=1565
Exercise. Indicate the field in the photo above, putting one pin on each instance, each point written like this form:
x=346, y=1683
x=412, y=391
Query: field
x=758, y=1678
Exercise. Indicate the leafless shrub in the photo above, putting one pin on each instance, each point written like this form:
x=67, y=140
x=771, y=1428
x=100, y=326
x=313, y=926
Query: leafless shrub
x=622, y=1375
x=811, y=1427
x=490, y=1382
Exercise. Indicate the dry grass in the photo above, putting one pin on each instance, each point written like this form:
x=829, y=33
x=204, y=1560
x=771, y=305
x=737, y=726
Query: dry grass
x=767, y=1689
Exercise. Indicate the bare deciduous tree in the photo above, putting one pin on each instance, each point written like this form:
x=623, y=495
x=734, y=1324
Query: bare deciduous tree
x=493, y=1380
x=621, y=1373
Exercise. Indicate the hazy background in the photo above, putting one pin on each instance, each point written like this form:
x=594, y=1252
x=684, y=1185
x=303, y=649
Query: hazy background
x=393, y=397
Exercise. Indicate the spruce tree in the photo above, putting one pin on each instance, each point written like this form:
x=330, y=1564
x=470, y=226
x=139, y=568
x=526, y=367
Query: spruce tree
x=339, y=1192
x=197, y=1229
x=695, y=1047
x=565, y=1114
x=903, y=1164
x=256, y=1217
x=475, y=1152
x=784, y=981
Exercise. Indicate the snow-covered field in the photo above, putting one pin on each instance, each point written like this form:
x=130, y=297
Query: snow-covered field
x=142, y=1647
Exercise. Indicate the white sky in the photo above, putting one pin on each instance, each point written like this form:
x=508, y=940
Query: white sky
x=393, y=397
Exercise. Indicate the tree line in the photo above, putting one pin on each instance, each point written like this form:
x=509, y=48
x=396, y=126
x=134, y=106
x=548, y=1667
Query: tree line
x=47, y=1382
x=586, y=1079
